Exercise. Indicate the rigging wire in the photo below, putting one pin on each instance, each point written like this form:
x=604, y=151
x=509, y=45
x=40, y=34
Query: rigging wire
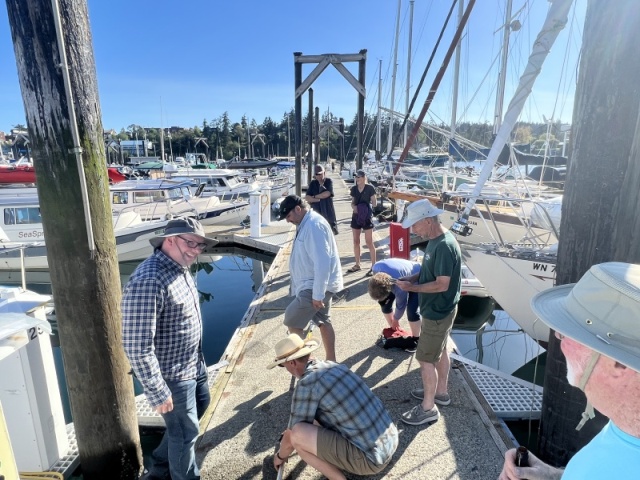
x=422, y=78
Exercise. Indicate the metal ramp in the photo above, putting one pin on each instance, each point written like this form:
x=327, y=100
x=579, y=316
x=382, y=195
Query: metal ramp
x=510, y=398
x=147, y=417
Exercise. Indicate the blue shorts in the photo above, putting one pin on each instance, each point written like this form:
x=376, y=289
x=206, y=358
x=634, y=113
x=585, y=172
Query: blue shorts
x=413, y=306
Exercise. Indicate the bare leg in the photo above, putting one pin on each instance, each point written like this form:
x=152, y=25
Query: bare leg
x=329, y=341
x=356, y=245
x=442, y=367
x=368, y=238
x=304, y=438
x=429, y=381
x=415, y=328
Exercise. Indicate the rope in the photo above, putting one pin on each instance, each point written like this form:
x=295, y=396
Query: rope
x=41, y=475
x=264, y=201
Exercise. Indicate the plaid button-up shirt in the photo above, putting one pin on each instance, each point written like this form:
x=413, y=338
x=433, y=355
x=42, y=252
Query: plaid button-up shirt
x=340, y=400
x=161, y=325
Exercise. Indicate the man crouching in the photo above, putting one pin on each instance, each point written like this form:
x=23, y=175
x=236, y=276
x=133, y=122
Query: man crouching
x=336, y=422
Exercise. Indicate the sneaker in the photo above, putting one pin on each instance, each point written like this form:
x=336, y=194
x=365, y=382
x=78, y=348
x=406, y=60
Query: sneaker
x=335, y=230
x=414, y=347
x=441, y=399
x=417, y=416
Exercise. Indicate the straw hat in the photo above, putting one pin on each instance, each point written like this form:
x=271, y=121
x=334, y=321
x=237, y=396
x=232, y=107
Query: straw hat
x=291, y=348
x=601, y=311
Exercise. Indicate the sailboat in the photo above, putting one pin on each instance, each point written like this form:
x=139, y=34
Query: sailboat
x=514, y=273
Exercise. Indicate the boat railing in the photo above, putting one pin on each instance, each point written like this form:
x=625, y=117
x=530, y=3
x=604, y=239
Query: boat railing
x=148, y=211
x=21, y=247
x=539, y=237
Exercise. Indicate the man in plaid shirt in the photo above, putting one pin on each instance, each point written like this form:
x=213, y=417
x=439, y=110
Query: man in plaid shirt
x=336, y=421
x=162, y=337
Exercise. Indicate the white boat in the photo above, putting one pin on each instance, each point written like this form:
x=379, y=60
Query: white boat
x=513, y=276
x=162, y=199
x=513, y=273
x=218, y=182
x=21, y=229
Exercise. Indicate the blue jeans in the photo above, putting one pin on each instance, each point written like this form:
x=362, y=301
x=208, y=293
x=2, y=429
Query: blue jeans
x=175, y=455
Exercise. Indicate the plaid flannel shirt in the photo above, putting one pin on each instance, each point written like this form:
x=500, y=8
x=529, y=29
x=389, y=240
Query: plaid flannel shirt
x=161, y=325
x=340, y=400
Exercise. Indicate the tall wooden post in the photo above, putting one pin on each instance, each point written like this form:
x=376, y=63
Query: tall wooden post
x=86, y=286
x=297, y=127
x=316, y=136
x=310, y=157
x=362, y=69
x=600, y=219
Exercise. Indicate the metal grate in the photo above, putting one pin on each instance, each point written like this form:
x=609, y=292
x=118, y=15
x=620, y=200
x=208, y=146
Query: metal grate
x=510, y=398
x=146, y=417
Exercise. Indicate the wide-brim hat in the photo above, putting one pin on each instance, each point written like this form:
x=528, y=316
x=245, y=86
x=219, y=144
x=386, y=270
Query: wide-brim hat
x=293, y=347
x=601, y=311
x=416, y=211
x=180, y=226
x=289, y=203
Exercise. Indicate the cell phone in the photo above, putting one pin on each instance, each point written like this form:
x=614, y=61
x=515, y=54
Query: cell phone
x=394, y=280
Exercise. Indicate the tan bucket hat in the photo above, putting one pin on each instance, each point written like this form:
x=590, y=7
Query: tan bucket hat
x=601, y=311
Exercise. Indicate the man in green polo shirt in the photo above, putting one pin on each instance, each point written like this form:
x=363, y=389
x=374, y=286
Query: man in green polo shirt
x=439, y=289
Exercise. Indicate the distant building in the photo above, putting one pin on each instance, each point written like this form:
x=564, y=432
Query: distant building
x=136, y=148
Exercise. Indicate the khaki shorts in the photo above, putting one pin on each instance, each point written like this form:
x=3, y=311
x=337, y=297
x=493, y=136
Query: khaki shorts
x=301, y=311
x=433, y=338
x=333, y=448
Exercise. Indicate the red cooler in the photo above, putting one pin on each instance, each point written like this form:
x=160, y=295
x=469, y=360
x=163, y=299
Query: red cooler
x=399, y=238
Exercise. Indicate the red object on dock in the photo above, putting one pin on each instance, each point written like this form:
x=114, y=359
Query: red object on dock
x=399, y=241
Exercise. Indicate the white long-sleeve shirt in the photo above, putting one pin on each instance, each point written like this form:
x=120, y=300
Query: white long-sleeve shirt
x=315, y=263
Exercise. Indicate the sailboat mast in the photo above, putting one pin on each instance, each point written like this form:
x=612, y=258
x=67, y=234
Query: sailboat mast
x=161, y=133
x=379, y=129
x=406, y=100
x=454, y=103
x=393, y=82
x=497, y=116
x=553, y=25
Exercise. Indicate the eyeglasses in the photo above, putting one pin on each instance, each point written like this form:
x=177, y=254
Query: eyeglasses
x=192, y=244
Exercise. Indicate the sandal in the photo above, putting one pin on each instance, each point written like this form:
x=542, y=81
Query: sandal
x=355, y=268
x=369, y=273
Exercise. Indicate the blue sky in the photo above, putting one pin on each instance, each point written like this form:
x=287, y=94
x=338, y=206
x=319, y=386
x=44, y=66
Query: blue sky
x=195, y=59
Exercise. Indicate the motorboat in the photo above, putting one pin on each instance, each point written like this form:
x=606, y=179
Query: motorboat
x=22, y=241
x=156, y=199
x=222, y=183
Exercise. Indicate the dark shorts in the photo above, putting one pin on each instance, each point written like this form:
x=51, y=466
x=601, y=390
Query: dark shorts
x=413, y=306
x=433, y=338
x=301, y=311
x=333, y=448
x=355, y=226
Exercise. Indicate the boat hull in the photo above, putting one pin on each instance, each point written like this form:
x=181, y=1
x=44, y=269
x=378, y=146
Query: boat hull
x=513, y=282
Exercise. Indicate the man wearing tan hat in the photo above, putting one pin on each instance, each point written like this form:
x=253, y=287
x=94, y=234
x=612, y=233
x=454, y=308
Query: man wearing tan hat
x=597, y=322
x=336, y=424
x=438, y=285
x=162, y=337
x=320, y=197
